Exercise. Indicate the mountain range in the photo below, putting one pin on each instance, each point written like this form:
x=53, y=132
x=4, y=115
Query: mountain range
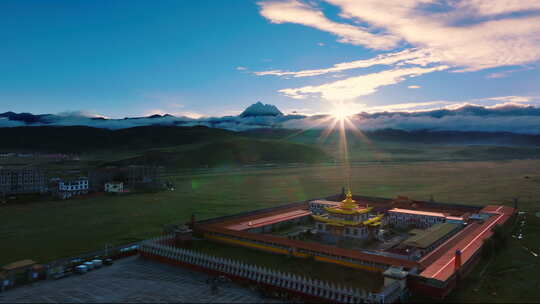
x=469, y=118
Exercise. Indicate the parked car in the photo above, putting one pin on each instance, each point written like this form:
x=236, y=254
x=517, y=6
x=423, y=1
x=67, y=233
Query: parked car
x=89, y=265
x=81, y=269
x=59, y=275
x=97, y=263
x=108, y=261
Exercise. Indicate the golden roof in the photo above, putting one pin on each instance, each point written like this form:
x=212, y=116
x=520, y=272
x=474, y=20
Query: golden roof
x=335, y=222
x=348, y=206
x=348, y=202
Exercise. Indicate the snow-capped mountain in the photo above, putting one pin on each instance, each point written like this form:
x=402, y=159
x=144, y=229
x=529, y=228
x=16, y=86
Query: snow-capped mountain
x=261, y=109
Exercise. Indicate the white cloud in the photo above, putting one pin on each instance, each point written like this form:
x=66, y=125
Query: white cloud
x=293, y=11
x=471, y=43
x=414, y=87
x=493, y=7
x=241, y=68
x=469, y=34
x=465, y=36
x=504, y=74
x=410, y=106
x=408, y=56
x=320, y=44
x=513, y=99
x=354, y=87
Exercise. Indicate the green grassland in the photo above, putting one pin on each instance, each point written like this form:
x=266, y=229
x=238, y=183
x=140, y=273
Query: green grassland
x=511, y=276
x=47, y=230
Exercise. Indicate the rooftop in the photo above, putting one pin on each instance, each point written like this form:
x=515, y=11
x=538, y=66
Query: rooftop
x=425, y=238
x=268, y=220
x=442, y=268
x=417, y=212
x=18, y=265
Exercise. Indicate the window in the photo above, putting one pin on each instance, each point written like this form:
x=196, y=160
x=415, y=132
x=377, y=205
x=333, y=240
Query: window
x=347, y=231
x=355, y=231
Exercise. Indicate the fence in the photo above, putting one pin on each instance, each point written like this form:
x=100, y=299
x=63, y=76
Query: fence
x=159, y=249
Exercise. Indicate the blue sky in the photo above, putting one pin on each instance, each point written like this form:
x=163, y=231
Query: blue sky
x=132, y=58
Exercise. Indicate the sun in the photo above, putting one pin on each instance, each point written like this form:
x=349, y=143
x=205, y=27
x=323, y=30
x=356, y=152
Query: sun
x=340, y=112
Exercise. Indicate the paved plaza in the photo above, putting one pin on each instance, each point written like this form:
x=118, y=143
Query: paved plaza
x=133, y=280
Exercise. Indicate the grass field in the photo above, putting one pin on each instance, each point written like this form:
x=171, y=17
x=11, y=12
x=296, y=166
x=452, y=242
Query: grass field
x=510, y=276
x=48, y=230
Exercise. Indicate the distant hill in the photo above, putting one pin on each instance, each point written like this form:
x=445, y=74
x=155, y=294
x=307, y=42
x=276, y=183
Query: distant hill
x=230, y=153
x=401, y=136
x=78, y=139
x=180, y=147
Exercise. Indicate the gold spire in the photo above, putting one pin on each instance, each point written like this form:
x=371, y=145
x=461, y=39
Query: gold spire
x=348, y=202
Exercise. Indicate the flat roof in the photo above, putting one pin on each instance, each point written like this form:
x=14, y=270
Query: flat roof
x=268, y=220
x=18, y=264
x=457, y=218
x=325, y=202
x=443, y=268
x=429, y=236
x=417, y=212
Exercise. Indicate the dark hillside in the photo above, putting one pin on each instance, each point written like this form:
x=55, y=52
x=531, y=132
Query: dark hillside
x=78, y=139
x=401, y=136
x=230, y=152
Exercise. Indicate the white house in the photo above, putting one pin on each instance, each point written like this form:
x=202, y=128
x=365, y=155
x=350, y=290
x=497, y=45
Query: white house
x=114, y=187
x=67, y=189
x=420, y=219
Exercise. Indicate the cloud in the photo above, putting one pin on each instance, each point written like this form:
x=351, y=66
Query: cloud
x=504, y=74
x=499, y=113
x=461, y=36
x=408, y=56
x=414, y=87
x=457, y=34
x=293, y=11
x=410, y=106
x=494, y=7
x=506, y=117
x=241, y=68
x=470, y=34
x=512, y=99
x=354, y=87
x=320, y=44
x=81, y=113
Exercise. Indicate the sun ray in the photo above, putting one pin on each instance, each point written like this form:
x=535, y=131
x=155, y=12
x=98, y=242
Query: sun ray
x=315, y=125
x=328, y=130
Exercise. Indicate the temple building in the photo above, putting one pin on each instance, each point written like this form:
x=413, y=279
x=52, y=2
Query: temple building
x=345, y=220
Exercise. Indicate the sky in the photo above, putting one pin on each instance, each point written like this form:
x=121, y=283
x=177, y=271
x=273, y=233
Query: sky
x=215, y=58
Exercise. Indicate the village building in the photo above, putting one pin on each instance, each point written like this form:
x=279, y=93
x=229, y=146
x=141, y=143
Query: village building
x=415, y=218
x=74, y=187
x=133, y=177
x=114, y=187
x=22, y=180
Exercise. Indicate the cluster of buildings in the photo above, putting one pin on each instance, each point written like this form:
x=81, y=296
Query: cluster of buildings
x=429, y=245
x=22, y=180
x=17, y=180
x=55, y=157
